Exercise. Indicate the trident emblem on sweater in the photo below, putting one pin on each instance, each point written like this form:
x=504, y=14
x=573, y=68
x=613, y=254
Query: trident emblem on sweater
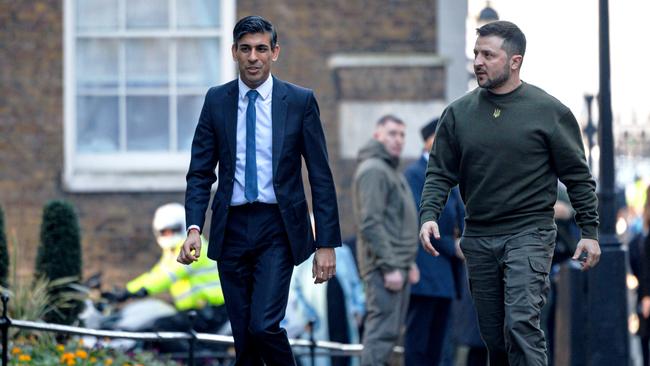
x=497, y=113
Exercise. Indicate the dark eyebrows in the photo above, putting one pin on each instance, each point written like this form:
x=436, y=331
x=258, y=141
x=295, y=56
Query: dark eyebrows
x=258, y=47
x=484, y=52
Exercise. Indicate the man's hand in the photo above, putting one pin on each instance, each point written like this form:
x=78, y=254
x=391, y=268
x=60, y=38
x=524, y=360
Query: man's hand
x=324, y=266
x=591, y=248
x=414, y=274
x=358, y=319
x=429, y=228
x=394, y=280
x=645, y=307
x=562, y=210
x=459, y=251
x=191, y=249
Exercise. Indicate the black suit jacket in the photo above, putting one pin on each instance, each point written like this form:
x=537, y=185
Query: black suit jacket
x=296, y=133
x=439, y=276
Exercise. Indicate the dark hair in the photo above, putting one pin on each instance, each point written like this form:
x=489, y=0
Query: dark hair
x=254, y=24
x=429, y=129
x=389, y=118
x=514, y=40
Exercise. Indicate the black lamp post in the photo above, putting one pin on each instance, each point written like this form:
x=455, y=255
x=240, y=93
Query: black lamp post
x=590, y=129
x=607, y=302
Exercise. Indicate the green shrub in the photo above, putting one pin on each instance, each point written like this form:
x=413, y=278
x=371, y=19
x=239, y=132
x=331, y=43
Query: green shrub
x=59, y=255
x=29, y=301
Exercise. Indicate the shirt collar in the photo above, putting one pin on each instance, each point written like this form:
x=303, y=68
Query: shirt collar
x=264, y=89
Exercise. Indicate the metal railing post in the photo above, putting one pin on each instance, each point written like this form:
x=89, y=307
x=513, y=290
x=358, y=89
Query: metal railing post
x=312, y=346
x=5, y=322
x=192, y=341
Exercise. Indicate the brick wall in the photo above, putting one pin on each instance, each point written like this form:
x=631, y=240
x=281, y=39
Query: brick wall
x=312, y=31
x=116, y=227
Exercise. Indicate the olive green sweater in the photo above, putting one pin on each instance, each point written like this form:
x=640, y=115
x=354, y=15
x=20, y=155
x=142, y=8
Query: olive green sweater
x=506, y=153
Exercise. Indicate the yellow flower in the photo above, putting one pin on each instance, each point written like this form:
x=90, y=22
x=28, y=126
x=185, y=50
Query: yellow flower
x=81, y=354
x=24, y=358
x=60, y=347
x=108, y=362
x=66, y=357
x=93, y=359
x=71, y=362
x=16, y=350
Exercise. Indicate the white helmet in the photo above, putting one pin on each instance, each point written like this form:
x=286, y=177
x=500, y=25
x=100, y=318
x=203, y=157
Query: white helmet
x=169, y=217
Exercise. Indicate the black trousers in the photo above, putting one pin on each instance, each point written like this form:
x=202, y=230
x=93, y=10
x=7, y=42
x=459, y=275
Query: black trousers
x=426, y=328
x=255, y=268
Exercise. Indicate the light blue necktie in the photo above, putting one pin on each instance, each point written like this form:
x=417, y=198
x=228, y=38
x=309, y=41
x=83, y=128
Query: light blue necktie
x=250, y=186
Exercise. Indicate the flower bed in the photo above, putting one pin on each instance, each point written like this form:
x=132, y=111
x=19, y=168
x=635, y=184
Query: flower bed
x=32, y=351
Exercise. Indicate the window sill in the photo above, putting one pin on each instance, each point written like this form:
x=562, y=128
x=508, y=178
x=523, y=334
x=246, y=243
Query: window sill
x=126, y=173
x=124, y=182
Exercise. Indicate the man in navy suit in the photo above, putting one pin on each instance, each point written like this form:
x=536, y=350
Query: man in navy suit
x=427, y=319
x=257, y=129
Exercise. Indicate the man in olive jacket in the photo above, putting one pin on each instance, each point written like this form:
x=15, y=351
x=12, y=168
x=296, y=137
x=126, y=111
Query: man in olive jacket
x=386, y=238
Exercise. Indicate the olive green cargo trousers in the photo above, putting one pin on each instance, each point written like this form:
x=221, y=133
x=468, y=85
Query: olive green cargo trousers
x=509, y=282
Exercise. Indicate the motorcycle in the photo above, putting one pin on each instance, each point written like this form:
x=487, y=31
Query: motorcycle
x=114, y=310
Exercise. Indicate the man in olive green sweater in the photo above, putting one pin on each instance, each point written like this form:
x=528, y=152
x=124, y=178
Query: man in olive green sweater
x=387, y=239
x=505, y=144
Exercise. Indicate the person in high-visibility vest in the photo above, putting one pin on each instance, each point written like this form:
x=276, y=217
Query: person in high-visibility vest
x=194, y=287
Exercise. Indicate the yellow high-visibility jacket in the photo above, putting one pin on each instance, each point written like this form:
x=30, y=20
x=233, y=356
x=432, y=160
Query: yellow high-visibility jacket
x=192, y=286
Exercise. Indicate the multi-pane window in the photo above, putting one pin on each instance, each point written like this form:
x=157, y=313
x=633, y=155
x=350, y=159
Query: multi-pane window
x=139, y=71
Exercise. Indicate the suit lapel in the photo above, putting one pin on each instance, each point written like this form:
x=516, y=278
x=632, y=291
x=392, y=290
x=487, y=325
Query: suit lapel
x=230, y=119
x=279, y=107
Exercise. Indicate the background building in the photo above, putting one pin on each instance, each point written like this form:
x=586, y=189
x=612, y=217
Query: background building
x=100, y=98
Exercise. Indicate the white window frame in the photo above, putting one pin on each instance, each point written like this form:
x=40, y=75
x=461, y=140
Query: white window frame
x=131, y=171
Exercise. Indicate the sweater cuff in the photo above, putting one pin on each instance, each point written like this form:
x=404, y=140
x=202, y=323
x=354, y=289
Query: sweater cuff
x=426, y=216
x=589, y=232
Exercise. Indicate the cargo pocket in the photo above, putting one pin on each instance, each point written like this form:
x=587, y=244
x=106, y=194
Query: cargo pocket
x=539, y=284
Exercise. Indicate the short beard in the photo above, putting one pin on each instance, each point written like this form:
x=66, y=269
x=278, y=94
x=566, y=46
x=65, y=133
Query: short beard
x=500, y=80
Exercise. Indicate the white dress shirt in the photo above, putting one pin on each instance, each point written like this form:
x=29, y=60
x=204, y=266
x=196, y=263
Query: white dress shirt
x=263, y=144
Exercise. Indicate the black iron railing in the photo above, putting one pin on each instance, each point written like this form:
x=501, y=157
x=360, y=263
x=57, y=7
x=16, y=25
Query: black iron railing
x=310, y=347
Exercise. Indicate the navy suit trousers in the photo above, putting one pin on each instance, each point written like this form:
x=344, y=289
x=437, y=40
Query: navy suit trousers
x=427, y=324
x=255, y=269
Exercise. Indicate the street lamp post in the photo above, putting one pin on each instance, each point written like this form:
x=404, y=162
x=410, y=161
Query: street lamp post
x=590, y=129
x=607, y=302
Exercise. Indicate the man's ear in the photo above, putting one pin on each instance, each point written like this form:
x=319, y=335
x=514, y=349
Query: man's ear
x=233, y=50
x=276, y=52
x=515, y=62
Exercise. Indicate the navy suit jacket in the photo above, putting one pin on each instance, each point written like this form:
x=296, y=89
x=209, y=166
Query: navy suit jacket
x=297, y=133
x=439, y=276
